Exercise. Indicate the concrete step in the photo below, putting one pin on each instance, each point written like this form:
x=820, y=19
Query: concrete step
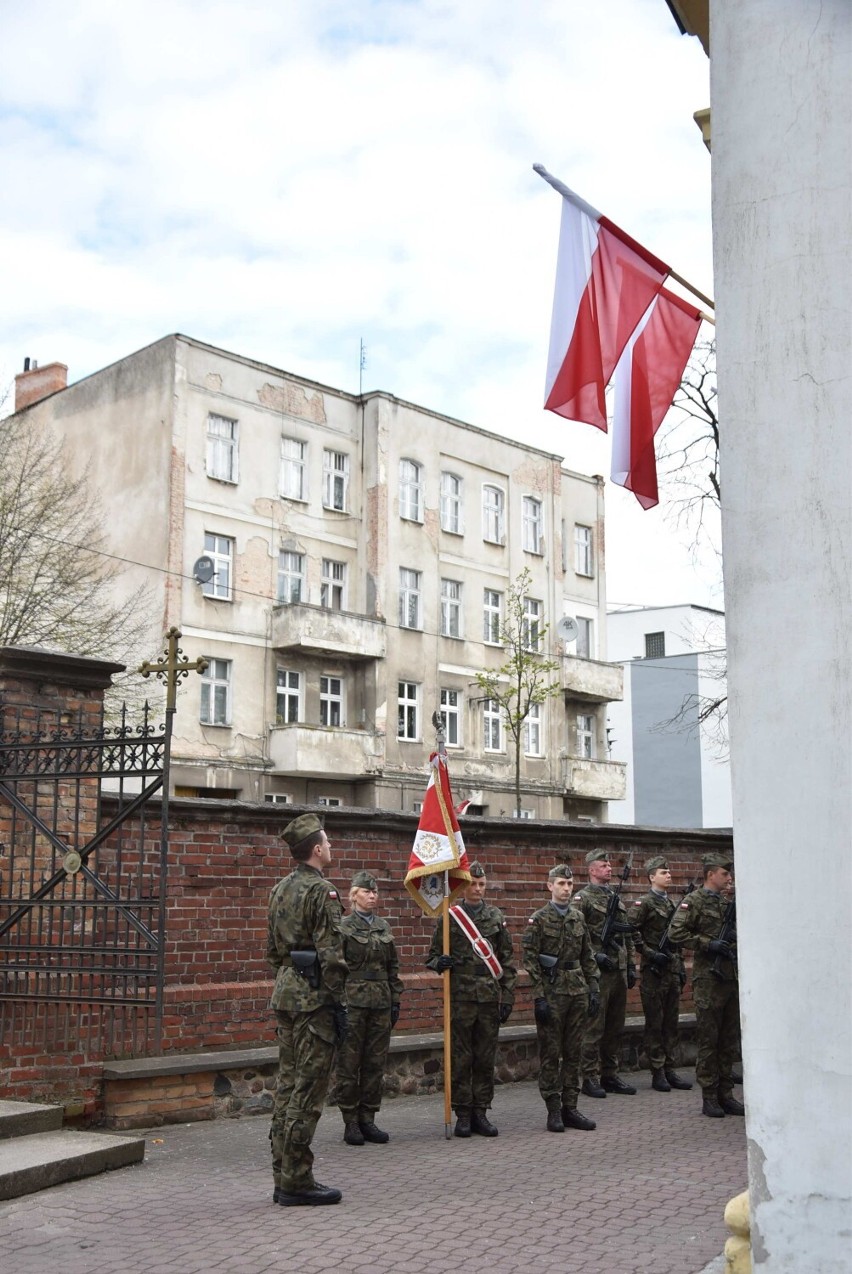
x=44, y=1159
x=20, y=1118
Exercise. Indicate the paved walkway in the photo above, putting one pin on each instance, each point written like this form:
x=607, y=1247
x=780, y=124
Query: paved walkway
x=645, y=1192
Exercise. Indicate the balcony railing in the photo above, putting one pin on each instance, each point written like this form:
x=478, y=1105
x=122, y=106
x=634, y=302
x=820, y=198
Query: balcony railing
x=592, y=681
x=321, y=751
x=597, y=780
x=298, y=626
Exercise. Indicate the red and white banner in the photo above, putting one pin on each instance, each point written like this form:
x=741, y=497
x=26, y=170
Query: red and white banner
x=645, y=383
x=438, y=845
x=481, y=946
x=605, y=282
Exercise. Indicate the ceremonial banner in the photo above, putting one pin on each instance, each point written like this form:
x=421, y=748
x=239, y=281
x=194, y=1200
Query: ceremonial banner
x=438, y=845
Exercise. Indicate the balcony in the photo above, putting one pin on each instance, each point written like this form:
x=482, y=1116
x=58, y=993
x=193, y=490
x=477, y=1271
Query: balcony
x=596, y=780
x=316, y=630
x=591, y=681
x=314, y=751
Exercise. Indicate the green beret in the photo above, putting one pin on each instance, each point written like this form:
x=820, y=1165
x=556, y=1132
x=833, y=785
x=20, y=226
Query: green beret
x=709, y=861
x=364, y=880
x=654, y=864
x=562, y=870
x=597, y=856
x=300, y=829
x=477, y=871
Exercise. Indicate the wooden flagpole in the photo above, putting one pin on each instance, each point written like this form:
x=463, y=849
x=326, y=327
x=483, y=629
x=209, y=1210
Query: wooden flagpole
x=441, y=749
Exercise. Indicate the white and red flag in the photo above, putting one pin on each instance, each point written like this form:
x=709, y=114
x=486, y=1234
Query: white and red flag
x=605, y=282
x=438, y=845
x=645, y=383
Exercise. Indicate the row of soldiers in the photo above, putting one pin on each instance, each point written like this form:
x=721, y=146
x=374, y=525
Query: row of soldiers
x=337, y=995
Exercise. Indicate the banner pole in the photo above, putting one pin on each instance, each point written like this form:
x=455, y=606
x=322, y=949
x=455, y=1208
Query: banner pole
x=448, y=1060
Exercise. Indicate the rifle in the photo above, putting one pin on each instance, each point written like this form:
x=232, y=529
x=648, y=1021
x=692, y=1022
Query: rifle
x=664, y=946
x=727, y=933
x=611, y=926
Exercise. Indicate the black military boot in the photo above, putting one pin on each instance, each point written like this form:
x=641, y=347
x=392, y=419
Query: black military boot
x=675, y=1080
x=571, y=1118
x=310, y=1196
x=592, y=1088
x=730, y=1105
x=370, y=1132
x=481, y=1124
x=554, y=1115
x=462, y=1128
x=352, y=1134
x=660, y=1083
x=615, y=1084
x=710, y=1106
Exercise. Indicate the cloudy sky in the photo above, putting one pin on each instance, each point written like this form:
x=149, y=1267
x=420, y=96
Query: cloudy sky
x=285, y=178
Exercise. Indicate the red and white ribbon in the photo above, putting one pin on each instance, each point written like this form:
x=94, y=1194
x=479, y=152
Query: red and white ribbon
x=481, y=946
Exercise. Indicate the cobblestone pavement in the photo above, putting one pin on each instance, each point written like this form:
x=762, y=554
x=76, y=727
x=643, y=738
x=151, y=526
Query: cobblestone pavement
x=645, y=1192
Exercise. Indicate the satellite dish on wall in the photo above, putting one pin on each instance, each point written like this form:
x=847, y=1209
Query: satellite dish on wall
x=567, y=629
x=203, y=570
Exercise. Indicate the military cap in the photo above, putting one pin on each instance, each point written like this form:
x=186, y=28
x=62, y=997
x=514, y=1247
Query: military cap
x=300, y=829
x=364, y=880
x=709, y=861
x=597, y=856
x=561, y=870
x=654, y=864
x=477, y=871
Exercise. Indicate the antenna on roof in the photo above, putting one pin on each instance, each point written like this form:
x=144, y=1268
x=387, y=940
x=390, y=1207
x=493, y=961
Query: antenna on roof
x=361, y=365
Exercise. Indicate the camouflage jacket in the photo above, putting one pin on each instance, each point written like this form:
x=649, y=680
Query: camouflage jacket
x=699, y=920
x=304, y=915
x=370, y=954
x=592, y=901
x=566, y=937
x=470, y=978
x=649, y=918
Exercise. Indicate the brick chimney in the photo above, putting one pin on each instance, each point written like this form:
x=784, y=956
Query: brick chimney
x=35, y=383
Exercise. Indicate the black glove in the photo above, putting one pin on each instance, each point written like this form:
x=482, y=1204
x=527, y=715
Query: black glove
x=394, y=1014
x=505, y=1013
x=660, y=960
x=541, y=1011
x=603, y=961
x=341, y=1022
x=594, y=1004
x=718, y=948
x=444, y=962
x=681, y=977
x=631, y=976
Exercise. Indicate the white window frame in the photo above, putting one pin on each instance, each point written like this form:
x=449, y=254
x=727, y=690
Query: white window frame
x=585, y=648
x=534, y=731
x=333, y=586
x=410, y=615
x=408, y=712
x=532, y=525
x=220, y=549
x=493, y=514
x=452, y=488
x=584, y=557
x=410, y=490
x=291, y=477
x=586, y=736
x=451, y=608
x=291, y=572
x=451, y=710
x=329, y=801
x=492, y=616
x=492, y=726
x=223, y=448
x=216, y=693
x=335, y=480
x=288, y=696
x=532, y=622
x=332, y=697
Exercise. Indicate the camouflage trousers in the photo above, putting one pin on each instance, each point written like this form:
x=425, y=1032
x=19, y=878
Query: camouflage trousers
x=473, y=1035
x=305, y=1057
x=661, y=1005
x=559, y=1043
x=360, y=1066
x=601, y=1055
x=717, y=1033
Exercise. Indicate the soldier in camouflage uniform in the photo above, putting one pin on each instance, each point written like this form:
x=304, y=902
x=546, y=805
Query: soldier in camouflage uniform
x=602, y=1043
x=564, y=979
x=715, y=987
x=373, y=990
x=663, y=977
x=305, y=949
x=478, y=1004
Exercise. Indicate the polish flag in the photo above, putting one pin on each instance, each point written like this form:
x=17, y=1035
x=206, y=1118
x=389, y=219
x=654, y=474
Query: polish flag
x=438, y=845
x=646, y=380
x=605, y=282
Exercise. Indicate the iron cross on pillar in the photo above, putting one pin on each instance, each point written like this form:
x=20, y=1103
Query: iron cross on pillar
x=173, y=667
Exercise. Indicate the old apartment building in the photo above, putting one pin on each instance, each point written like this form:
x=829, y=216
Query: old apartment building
x=343, y=563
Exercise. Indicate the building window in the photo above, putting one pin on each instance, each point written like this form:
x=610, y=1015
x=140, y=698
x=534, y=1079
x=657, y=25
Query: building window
x=585, y=638
x=583, y=560
x=411, y=490
x=409, y=711
x=533, y=731
x=451, y=702
x=220, y=549
x=533, y=611
x=216, y=693
x=522, y=813
x=333, y=588
x=451, y=503
x=292, y=477
x=655, y=645
x=335, y=480
x=492, y=726
x=492, y=616
x=331, y=701
x=532, y=525
x=329, y=800
x=291, y=577
x=222, y=448
x=409, y=598
x=493, y=511
x=288, y=697
x=451, y=612
x=585, y=735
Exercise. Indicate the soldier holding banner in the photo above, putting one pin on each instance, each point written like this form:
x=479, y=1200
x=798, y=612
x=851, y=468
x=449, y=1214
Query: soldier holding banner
x=481, y=998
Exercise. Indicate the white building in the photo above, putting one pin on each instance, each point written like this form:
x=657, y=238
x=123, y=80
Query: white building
x=674, y=662
x=361, y=549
